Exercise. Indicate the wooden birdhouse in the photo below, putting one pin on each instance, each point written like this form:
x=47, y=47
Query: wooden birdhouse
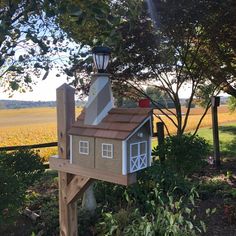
x=103, y=142
x=112, y=140
x=120, y=143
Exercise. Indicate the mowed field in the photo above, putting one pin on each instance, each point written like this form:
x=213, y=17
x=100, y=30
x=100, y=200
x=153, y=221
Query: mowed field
x=38, y=125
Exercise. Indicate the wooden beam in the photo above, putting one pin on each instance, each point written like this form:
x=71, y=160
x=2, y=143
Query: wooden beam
x=32, y=146
x=215, y=102
x=65, y=118
x=76, y=187
x=161, y=139
x=67, y=212
x=61, y=164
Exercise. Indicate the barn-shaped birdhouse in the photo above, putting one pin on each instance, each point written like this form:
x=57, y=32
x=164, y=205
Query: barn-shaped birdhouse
x=103, y=142
x=120, y=143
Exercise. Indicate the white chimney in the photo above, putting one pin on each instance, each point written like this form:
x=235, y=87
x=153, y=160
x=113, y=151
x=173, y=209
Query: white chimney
x=100, y=100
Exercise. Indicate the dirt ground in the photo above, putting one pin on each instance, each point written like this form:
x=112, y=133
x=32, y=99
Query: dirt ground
x=222, y=197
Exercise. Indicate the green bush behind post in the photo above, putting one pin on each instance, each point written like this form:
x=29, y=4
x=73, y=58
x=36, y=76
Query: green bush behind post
x=184, y=154
x=18, y=170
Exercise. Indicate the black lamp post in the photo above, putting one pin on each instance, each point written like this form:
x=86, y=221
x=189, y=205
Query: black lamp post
x=101, y=56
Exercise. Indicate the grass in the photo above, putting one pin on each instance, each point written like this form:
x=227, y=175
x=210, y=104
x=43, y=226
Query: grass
x=227, y=136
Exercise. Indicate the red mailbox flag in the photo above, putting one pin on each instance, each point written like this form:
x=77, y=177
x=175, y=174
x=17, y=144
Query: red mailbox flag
x=144, y=102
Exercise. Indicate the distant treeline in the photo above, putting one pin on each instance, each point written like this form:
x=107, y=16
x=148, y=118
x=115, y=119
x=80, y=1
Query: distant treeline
x=16, y=104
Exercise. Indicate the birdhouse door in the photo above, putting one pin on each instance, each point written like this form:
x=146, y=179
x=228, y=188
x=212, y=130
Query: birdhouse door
x=138, y=156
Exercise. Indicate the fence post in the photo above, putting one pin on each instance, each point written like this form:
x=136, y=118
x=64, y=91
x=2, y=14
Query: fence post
x=215, y=102
x=160, y=138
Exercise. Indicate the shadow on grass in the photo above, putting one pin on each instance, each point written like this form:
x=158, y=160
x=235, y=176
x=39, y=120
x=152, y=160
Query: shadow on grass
x=229, y=149
x=228, y=129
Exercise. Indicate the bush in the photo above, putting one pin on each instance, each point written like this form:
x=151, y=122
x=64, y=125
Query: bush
x=11, y=194
x=184, y=154
x=160, y=203
x=26, y=165
x=18, y=170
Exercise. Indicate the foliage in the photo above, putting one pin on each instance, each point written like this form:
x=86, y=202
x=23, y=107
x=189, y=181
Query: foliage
x=203, y=94
x=18, y=170
x=49, y=214
x=232, y=103
x=11, y=194
x=230, y=213
x=161, y=203
x=86, y=222
x=157, y=95
x=185, y=154
x=201, y=20
x=26, y=165
x=31, y=43
x=42, y=197
x=141, y=54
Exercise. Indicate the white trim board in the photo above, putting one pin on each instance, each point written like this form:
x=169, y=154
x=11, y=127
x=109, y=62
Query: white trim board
x=124, y=158
x=70, y=149
x=150, y=151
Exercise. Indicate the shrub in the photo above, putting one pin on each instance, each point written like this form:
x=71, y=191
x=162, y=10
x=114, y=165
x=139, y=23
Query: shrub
x=184, y=154
x=11, y=194
x=160, y=203
x=49, y=222
x=18, y=170
x=26, y=165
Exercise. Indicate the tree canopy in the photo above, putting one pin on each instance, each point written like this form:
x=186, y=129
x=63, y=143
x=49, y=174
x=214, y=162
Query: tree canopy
x=171, y=57
x=30, y=42
x=188, y=48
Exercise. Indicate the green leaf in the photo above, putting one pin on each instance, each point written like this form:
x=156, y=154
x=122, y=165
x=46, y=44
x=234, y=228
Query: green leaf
x=208, y=210
x=203, y=226
x=188, y=210
x=14, y=85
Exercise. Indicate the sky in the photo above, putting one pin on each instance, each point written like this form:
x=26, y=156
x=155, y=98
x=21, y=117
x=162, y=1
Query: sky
x=44, y=90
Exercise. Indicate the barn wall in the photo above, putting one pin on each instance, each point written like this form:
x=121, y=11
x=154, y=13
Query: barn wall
x=82, y=159
x=111, y=165
x=145, y=129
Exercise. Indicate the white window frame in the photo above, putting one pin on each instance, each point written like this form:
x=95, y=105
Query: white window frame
x=138, y=157
x=81, y=145
x=110, y=145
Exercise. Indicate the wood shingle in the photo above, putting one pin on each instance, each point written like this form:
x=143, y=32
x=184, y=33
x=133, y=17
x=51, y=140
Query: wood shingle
x=118, y=124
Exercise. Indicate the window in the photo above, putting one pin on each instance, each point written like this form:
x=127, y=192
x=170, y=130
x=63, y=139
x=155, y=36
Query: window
x=107, y=150
x=84, y=147
x=138, y=156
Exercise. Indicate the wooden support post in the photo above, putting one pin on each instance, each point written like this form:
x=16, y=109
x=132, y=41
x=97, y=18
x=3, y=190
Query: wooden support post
x=160, y=138
x=215, y=102
x=69, y=185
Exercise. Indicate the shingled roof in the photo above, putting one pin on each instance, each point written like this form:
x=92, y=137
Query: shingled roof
x=118, y=124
